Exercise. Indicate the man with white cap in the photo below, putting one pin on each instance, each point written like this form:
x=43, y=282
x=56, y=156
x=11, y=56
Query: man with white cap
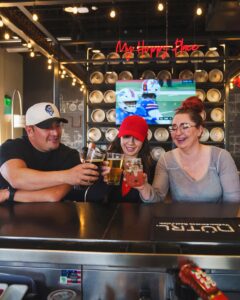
x=38, y=167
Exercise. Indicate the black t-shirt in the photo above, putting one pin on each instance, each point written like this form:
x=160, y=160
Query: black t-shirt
x=60, y=159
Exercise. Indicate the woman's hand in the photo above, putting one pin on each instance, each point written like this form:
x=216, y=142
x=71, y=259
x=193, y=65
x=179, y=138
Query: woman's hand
x=4, y=195
x=144, y=189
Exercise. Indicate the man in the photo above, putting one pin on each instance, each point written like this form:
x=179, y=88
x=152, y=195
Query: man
x=37, y=167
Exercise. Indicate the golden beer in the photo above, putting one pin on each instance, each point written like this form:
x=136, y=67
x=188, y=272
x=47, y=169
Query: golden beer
x=115, y=164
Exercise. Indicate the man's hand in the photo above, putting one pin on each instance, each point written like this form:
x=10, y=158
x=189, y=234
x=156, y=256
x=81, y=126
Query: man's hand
x=21, y=177
x=83, y=174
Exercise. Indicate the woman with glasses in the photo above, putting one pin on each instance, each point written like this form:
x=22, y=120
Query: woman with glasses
x=193, y=172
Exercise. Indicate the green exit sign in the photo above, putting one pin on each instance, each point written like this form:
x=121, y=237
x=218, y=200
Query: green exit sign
x=7, y=105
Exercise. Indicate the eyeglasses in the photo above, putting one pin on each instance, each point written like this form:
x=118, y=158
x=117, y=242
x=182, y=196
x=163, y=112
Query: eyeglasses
x=183, y=127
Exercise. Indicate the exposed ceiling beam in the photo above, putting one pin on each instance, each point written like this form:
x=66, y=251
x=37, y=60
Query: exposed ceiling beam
x=56, y=2
x=50, y=36
x=39, y=39
x=23, y=35
x=37, y=24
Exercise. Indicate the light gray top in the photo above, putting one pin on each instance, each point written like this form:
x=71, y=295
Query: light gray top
x=219, y=184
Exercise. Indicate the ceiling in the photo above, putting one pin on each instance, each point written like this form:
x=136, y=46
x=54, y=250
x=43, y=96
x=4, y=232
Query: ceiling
x=136, y=20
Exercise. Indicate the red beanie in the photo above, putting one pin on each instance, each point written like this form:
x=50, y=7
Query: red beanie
x=135, y=126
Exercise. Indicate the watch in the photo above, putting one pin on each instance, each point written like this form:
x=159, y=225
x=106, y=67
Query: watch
x=12, y=192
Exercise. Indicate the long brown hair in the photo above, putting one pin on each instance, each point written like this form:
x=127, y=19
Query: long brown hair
x=144, y=154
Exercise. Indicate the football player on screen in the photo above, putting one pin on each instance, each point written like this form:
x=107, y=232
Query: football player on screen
x=150, y=89
x=127, y=104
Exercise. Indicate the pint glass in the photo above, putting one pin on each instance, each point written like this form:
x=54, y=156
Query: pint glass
x=95, y=156
x=115, y=162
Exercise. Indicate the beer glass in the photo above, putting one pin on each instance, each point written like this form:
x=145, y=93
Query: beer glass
x=133, y=172
x=95, y=156
x=115, y=162
x=83, y=154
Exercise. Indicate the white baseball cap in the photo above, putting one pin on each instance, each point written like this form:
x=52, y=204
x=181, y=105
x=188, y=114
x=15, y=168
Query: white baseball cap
x=43, y=114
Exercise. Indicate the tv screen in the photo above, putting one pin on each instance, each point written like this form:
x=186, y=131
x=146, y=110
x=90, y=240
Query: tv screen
x=151, y=99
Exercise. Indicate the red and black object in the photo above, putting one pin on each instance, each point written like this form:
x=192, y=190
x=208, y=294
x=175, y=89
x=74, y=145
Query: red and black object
x=200, y=282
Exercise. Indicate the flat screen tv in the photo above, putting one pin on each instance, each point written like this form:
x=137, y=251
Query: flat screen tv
x=151, y=99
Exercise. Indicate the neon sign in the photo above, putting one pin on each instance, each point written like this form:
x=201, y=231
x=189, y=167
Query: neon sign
x=142, y=49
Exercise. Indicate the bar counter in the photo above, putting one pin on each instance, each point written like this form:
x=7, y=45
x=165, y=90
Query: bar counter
x=147, y=236
x=150, y=230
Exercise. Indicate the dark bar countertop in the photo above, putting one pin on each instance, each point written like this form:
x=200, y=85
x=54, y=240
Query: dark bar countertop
x=75, y=224
x=118, y=229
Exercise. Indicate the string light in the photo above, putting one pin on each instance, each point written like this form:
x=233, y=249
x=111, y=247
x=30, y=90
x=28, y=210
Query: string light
x=32, y=53
x=29, y=44
x=112, y=13
x=6, y=36
x=160, y=6
x=50, y=64
x=35, y=17
x=199, y=11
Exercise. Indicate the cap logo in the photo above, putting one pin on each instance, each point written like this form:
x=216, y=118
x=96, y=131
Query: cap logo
x=49, y=110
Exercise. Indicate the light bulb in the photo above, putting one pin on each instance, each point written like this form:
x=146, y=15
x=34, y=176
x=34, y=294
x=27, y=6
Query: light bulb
x=6, y=36
x=29, y=45
x=112, y=14
x=49, y=67
x=160, y=6
x=35, y=17
x=49, y=61
x=199, y=11
x=32, y=54
x=75, y=10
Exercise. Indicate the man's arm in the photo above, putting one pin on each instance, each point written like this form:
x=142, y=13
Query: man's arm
x=21, y=177
x=53, y=194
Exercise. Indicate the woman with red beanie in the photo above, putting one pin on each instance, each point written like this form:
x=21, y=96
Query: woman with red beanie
x=193, y=172
x=132, y=142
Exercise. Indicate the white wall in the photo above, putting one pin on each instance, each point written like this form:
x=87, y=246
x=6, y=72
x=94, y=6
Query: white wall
x=11, y=78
